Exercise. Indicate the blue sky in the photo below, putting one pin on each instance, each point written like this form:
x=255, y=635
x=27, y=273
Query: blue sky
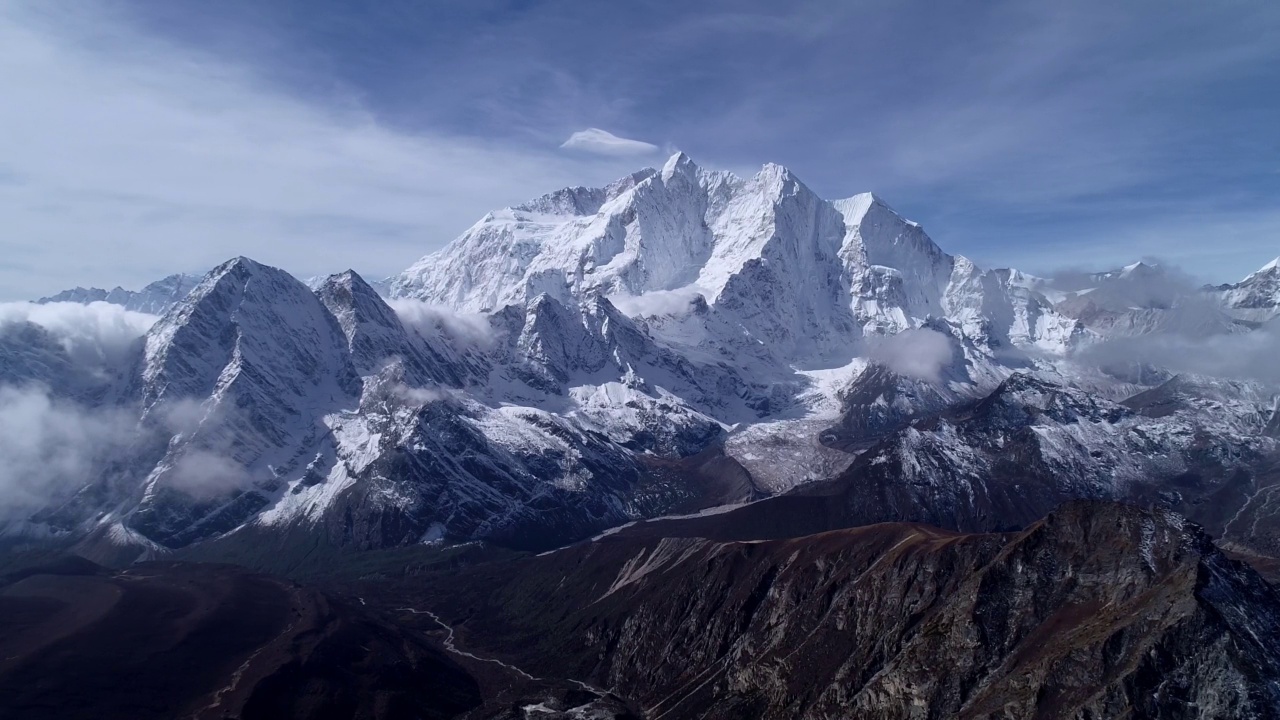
x=139, y=138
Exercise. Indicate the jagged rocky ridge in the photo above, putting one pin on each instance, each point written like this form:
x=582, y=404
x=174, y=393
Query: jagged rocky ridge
x=264, y=404
x=679, y=339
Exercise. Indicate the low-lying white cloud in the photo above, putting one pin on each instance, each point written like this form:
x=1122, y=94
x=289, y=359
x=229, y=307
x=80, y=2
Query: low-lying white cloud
x=918, y=353
x=462, y=331
x=602, y=142
x=1241, y=356
x=95, y=335
x=421, y=395
x=51, y=447
x=657, y=302
x=204, y=474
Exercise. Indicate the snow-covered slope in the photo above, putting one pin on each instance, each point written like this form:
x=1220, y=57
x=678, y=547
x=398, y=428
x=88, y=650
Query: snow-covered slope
x=1255, y=298
x=245, y=370
x=775, y=265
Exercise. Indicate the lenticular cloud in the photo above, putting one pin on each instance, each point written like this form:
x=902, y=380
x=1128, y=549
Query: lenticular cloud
x=601, y=142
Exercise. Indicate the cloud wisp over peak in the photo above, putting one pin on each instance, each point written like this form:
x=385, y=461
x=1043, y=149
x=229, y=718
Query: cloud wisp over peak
x=603, y=142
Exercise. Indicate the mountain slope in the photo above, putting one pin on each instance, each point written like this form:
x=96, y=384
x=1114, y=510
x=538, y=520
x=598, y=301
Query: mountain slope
x=168, y=640
x=252, y=398
x=1256, y=298
x=1001, y=461
x=1099, y=610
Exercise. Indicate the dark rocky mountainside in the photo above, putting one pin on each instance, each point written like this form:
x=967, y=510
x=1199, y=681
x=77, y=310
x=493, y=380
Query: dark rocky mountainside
x=1099, y=610
x=166, y=640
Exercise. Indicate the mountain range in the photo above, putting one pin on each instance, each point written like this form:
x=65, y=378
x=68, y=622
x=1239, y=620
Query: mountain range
x=569, y=364
x=715, y=413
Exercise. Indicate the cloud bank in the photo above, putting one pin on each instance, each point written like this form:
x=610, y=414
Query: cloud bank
x=97, y=335
x=1242, y=356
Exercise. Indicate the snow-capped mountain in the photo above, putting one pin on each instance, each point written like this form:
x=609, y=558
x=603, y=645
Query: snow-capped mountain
x=1030, y=445
x=774, y=264
x=1144, y=299
x=262, y=397
x=678, y=339
x=154, y=299
x=1255, y=298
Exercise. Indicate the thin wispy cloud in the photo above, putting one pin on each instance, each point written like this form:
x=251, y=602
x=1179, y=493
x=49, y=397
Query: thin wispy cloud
x=602, y=142
x=298, y=130
x=126, y=158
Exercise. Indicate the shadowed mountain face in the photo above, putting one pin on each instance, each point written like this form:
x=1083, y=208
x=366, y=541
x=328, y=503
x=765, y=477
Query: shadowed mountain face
x=1098, y=611
x=164, y=640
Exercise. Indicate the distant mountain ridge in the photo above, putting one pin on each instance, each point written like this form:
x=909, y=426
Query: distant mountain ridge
x=154, y=299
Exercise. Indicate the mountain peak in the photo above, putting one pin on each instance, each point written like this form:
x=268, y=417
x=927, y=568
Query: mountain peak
x=239, y=268
x=1140, y=269
x=349, y=280
x=239, y=262
x=857, y=208
x=774, y=170
x=346, y=292
x=679, y=163
x=240, y=299
x=155, y=298
x=233, y=276
x=1270, y=268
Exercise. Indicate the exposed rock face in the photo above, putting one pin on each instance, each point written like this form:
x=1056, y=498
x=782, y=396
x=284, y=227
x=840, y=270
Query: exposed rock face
x=1000, y=462
x=1099, y=610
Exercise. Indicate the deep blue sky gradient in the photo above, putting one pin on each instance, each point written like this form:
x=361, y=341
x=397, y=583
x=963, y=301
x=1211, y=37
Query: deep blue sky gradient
x=1034, y=134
